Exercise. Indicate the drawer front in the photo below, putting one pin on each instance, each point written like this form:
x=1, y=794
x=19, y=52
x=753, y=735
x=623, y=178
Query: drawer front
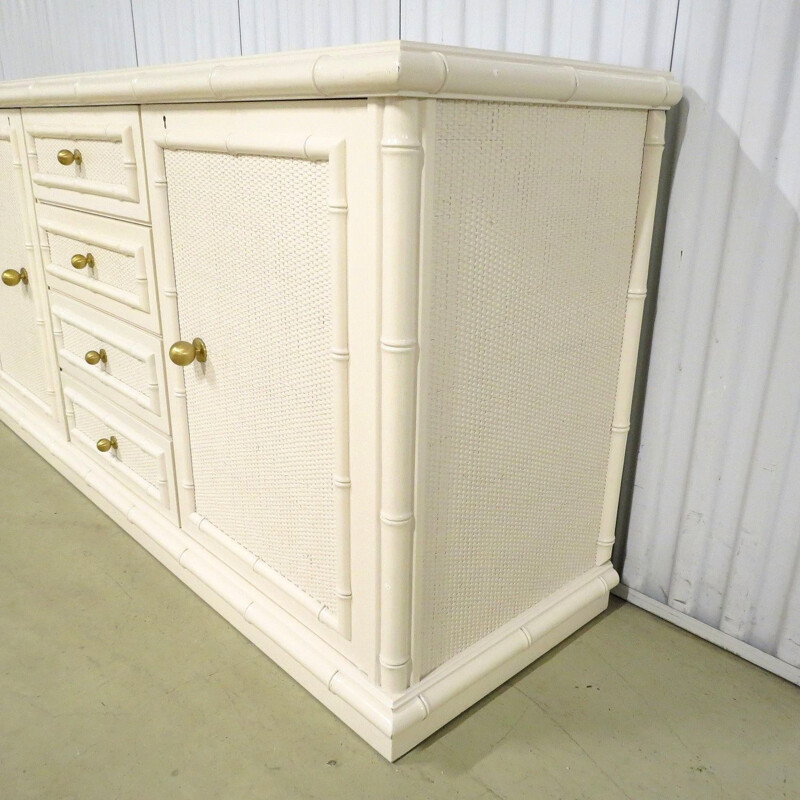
x=119, y=361
x=88, y=159
x=117, y=276
x=140, y=457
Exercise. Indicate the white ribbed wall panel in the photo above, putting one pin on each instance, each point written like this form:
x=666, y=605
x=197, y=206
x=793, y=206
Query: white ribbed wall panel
x=637, y=34
x=48, y=37
x=715, y=522
x=271, y=25
x=185, y=30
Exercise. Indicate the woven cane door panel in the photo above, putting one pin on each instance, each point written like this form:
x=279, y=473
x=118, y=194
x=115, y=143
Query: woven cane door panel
x=524, y=296
x=22, y=355
x=251, y=252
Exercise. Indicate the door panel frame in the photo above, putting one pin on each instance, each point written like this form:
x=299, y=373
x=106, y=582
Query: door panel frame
x=12, y=132
x=251, y=129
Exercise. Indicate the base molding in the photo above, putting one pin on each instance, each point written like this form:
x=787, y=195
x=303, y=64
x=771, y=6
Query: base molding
x=390, y=724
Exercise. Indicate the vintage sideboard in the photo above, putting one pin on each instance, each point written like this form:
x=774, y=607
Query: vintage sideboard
x=346, y=339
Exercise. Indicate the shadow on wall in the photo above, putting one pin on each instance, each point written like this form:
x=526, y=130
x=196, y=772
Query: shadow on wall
x=710, y=510
x=673, y=136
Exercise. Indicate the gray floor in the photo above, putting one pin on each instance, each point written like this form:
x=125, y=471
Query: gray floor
x=117, y=682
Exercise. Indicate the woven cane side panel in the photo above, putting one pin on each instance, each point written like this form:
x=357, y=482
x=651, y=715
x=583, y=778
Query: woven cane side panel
x=128, y=452
x=102, y=161
x=533, y=217
x=251, y=247
x=115, y=269
x=22, y=355
x=131, y=371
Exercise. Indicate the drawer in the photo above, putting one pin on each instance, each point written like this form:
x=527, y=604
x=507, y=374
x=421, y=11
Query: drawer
x=140, y=457
x=119, y=276
x=130, y=369
x=104, y=169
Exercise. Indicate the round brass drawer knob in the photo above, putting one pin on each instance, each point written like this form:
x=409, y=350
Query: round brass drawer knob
x=80, y=261
x=11, y=277
x=104, y=445
x=67, y=157
x=183, y=353
x=96, y=356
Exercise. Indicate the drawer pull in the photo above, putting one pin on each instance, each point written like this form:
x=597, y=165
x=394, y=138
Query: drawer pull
x=67, y=157
x=80, y=261
x=104, y=445
x=11, y=277
x=96, y=356
x=183, y=353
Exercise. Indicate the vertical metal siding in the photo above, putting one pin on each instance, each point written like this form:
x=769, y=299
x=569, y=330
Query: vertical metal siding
x=47, y=37
x=715, y=521
x=635, y=34
x=185, y=30
x=289, y=25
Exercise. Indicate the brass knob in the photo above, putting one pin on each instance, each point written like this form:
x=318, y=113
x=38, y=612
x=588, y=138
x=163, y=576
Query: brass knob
x=80, y=261
x=183, y=353
x=104, y=445
x=11, y=277
x=96, y=356
x=67, y=157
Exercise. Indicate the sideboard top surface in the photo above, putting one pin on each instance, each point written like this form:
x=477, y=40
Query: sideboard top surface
x=393, y=69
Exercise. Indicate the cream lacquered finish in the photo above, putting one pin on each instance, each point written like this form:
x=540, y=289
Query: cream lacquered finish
x=407, y=291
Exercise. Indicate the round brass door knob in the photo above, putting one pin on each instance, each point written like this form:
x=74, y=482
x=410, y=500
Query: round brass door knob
x=11, y=277
x=67, y=157
x=104, y=445
x=183, y=353
x=80, y=261
x=96, y=356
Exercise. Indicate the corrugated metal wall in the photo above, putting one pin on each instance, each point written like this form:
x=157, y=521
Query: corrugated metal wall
x=45, y=37
x=715, y=522
x=714, y=532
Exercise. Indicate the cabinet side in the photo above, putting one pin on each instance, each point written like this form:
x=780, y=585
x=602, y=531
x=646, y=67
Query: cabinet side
x=530, y=218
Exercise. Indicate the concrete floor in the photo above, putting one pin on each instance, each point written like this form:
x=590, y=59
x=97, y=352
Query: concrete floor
x=117, y=682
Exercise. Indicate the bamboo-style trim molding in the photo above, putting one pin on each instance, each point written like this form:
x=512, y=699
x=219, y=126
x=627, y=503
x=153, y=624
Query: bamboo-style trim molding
x=85, y=235
x=278, y=144
x=637, y=292
x=401, y=164
x=96, y=133
x=391, y=724
x=396, y=68
x=335, y=151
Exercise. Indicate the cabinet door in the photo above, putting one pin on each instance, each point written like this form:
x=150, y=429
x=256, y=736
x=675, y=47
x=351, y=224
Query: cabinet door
x=26, y=358
x=252, y=209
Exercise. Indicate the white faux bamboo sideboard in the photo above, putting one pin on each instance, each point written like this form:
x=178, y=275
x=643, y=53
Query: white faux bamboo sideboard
x=346, y=339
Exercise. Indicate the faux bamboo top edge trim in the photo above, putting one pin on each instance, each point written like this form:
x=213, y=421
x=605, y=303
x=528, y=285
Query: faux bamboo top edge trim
x=397, y=68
